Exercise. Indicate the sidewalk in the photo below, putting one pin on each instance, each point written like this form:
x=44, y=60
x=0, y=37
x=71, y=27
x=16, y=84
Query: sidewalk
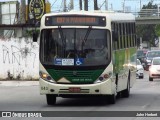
x=19, y=83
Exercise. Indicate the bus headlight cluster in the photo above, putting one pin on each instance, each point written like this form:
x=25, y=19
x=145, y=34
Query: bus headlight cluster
x=103, y=77
x=46, y=77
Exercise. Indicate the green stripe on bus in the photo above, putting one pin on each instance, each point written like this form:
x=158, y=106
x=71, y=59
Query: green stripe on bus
x=76, y=76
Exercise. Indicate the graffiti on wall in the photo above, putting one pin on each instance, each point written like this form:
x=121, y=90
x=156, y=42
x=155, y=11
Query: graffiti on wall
x=19, y=59
x=17, y=54
x=5, y=53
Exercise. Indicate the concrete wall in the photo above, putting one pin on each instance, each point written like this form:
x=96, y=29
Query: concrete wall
x=19, y=59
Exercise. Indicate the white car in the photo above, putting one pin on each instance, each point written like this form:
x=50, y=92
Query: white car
x=140, y=70
x=154, y=69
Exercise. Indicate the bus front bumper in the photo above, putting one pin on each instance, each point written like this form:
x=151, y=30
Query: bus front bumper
x=105, y=88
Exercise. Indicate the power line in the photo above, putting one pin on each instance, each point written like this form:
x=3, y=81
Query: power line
x=142, y=0
x=61, y=6
x=53, y=3
x=102, y=4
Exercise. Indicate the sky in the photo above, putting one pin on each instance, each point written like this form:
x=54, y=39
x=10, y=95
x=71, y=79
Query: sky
x=133, y=5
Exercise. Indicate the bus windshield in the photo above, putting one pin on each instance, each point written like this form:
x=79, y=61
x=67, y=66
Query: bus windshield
x=75, y=47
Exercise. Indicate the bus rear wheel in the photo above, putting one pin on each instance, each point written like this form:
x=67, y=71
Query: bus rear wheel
x=51, y=99
x=150, y=79
x=125, y=93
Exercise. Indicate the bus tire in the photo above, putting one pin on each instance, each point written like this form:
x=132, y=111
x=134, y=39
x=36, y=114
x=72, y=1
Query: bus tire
x=109, y=99
x=112, y=99
x=51, y=99
x=150, y=79
x=118, y=95
x=125, y=93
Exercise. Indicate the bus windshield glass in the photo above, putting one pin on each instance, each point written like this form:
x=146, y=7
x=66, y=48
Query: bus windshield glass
x=75, y=47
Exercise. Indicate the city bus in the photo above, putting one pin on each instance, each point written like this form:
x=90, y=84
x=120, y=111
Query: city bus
x=87, y=54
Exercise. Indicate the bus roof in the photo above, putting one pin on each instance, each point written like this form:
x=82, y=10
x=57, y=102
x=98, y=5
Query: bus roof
x=114, y=16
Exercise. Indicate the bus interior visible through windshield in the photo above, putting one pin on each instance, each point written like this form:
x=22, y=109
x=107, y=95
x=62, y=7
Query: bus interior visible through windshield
x=89, y=46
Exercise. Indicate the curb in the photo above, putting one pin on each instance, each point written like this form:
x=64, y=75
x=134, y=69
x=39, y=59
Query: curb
x=19, y=83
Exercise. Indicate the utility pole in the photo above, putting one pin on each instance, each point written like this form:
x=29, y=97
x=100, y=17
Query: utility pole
x=124, y=6
x=23, y=11
x=141, y=43
x=80, y=4
x=95, y=5
x=64, y=6
x=71, y=5
x=111, y=6
x=106, y=4
x=140, y=4
x=19, y=32
x=86, y=5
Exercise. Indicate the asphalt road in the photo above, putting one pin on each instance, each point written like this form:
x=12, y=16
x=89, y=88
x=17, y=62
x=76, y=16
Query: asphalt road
x=145, y=96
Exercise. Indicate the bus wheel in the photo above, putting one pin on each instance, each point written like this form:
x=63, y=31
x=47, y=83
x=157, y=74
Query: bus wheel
x=150, y=79
x=112, y=99
x=118, y=95
x=125, y=93
x=51, y=99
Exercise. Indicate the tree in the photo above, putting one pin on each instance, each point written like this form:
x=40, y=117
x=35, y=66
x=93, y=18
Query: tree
x=147, y=32
x=157, y=30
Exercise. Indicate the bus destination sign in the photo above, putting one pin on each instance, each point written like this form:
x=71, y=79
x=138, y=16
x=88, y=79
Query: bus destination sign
x=75, y=21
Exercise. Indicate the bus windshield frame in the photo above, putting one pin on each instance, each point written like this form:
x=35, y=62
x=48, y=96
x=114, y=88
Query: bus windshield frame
x=75, y=47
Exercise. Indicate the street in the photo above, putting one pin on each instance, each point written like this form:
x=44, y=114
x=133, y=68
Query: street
x=145, y=96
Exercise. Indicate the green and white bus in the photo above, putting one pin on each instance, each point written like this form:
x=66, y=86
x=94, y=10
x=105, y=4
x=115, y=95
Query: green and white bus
x=87, y=54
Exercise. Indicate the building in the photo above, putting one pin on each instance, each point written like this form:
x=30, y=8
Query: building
x=14, y=18
x=8, y=16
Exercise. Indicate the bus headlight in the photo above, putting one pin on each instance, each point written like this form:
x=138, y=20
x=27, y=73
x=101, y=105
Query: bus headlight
x=103, y=77
x=46, y=77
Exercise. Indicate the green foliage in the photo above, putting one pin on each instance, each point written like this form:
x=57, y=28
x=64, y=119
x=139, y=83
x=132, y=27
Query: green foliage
x=150, y=6
x=157, y=30
x=29, y=33
x=147, y=32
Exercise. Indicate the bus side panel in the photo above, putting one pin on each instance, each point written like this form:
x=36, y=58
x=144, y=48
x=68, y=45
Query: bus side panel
x=121, y=69
x=133, y=66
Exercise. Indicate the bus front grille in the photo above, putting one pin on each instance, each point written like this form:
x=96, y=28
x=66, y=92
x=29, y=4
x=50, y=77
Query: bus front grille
x=76, y=77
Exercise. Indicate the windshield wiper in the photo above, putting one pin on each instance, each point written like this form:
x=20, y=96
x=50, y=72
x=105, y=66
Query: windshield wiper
x=63, y=39
x=62, y=36
x=86, y=36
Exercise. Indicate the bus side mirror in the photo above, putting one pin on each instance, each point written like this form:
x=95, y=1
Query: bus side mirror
x=115, y=35
x=35, y=36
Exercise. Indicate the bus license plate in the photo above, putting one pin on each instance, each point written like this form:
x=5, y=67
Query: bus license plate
x=74, y=89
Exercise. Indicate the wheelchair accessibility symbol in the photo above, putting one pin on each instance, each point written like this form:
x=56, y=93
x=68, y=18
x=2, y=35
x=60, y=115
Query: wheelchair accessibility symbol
x=79, y=61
